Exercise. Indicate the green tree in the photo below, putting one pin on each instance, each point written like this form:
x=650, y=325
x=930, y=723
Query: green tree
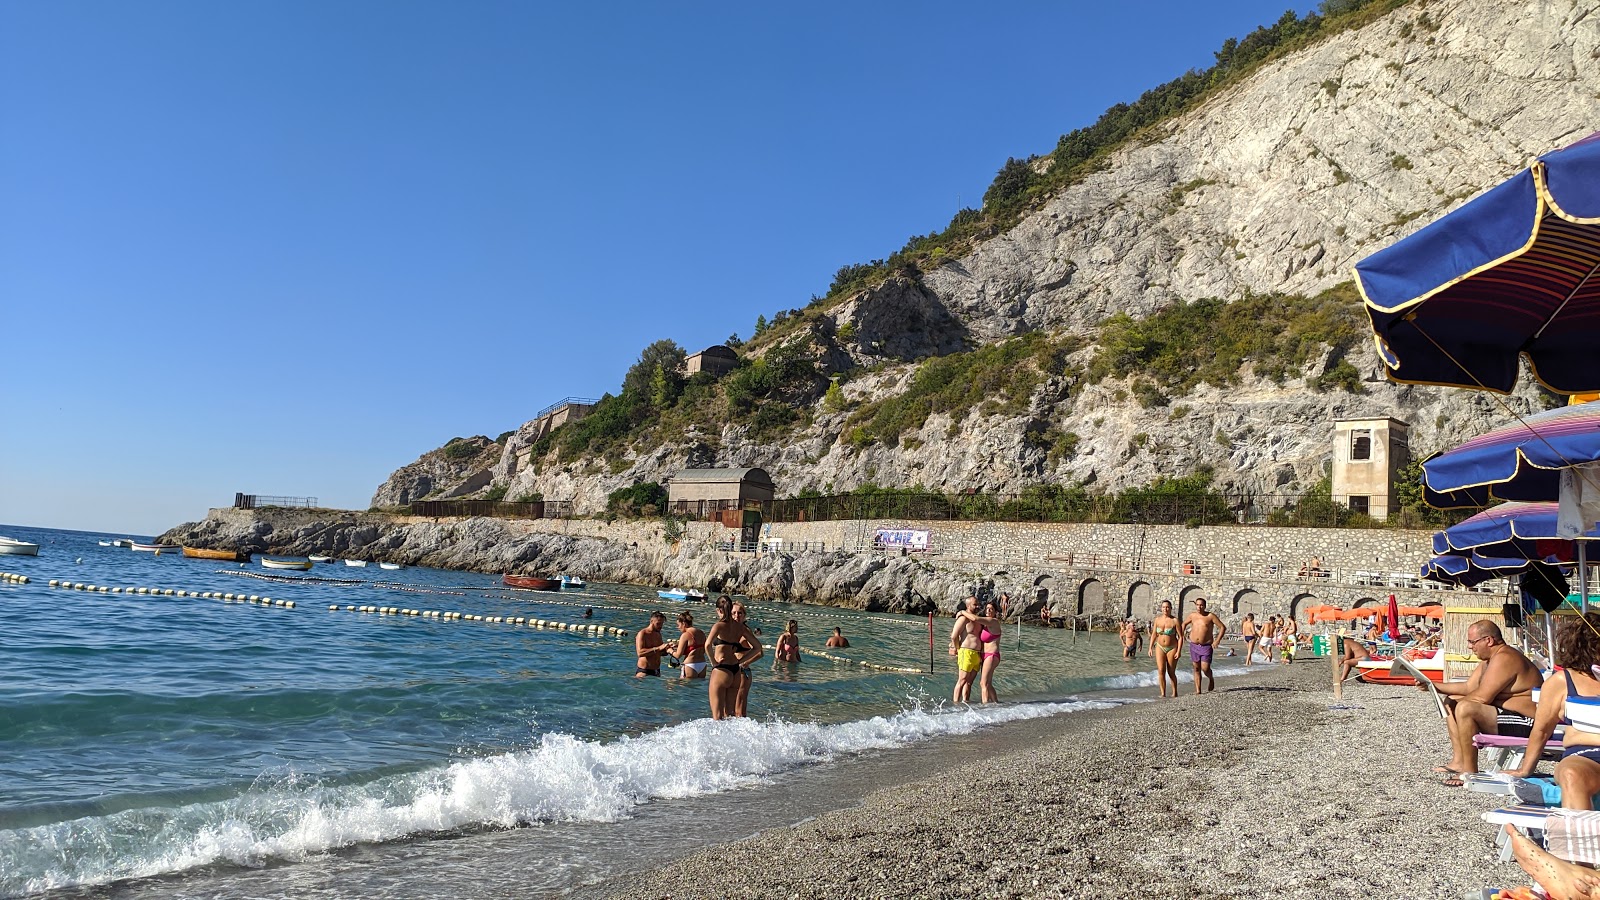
x=664, y=356
x=761, y=324
x=1010, y=183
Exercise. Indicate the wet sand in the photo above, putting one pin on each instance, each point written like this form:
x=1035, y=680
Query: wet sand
x=1261, y=789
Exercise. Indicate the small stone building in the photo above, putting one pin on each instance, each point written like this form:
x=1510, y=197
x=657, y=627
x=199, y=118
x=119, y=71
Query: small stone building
x=702, y=493
x=716, y=360
x=1367, y=455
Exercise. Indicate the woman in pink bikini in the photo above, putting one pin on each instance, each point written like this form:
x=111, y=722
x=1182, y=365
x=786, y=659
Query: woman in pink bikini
x=988, y=626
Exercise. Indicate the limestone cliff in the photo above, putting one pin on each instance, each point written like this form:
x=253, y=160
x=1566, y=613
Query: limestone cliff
x=1278, y=184
x=460, y=467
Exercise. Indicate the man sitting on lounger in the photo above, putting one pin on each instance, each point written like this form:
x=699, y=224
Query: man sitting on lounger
x=1497, y=699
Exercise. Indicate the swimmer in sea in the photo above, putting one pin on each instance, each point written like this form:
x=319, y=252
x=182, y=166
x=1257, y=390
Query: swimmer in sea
x=1165, y=642
x=691, y=647
x=742, y=702
x=649, y=646
x=838, y=639
x=733, y=649
x=787, y=648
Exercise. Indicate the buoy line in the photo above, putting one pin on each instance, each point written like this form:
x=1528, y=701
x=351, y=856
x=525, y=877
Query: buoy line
x=13, y=578
x=339, y=582
x=850, y=662
x=170, y=592
x=453, y=616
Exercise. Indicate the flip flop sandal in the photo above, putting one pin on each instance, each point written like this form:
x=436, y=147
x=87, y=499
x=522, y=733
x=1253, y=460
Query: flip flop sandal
x=1453, y=782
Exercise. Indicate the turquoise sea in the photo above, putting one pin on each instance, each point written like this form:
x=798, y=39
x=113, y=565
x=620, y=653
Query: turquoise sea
x=176, y=746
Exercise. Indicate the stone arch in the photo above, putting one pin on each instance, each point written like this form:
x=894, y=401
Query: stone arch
x=1043, y=592
x=1141, y=597
x=1307, y=599
x=1247, y=601
x=1365, y=601
x=1186, y=598
x=1091, y=597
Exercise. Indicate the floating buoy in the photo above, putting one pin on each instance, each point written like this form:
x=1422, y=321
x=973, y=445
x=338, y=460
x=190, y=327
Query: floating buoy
x=333, y=607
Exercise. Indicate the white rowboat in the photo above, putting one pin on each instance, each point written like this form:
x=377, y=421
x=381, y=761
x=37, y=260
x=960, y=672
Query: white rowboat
x=390, y=566
x=299, y=564
x=358, y=563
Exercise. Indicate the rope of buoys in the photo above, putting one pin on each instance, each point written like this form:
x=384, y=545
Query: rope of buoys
x=13, y=578
x=453, y=616
x=170, y=592
x=856, y=662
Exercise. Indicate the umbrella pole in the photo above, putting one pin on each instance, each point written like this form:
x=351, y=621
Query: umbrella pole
x=1583, y=577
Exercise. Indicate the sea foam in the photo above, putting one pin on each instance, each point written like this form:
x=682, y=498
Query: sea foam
x=563, y=779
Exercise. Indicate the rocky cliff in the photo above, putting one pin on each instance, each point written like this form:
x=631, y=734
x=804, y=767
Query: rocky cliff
x=1277, y=185
x=459, y=468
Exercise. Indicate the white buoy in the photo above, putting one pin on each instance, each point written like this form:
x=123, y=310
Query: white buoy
x=333, y=607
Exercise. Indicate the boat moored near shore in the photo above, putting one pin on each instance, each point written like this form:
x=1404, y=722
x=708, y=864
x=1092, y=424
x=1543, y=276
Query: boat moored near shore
x=531, y=582
x=154, y=548
x=356, y=563
x=229, y=555
x=682, y=595
x=296, y=564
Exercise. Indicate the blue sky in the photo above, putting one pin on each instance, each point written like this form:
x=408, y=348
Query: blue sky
x=285, y=248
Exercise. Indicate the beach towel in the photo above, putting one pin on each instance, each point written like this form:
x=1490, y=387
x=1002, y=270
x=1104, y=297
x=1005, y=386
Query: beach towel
x=1574, y=835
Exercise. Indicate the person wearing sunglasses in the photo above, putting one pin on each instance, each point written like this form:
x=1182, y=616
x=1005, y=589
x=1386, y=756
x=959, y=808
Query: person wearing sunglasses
x=1497, y=699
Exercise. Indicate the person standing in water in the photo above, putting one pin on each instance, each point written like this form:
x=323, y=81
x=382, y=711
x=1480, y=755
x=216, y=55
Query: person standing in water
x=838, y=639
x=1165, y=642
x=989, y=630
x=1204, y=632
x=742, y=702
x=1251, y=635
x=691, y=647
x=732, y=648
x=787, y=647
x=1129, y=632
x=966, y=648
x=649, y=646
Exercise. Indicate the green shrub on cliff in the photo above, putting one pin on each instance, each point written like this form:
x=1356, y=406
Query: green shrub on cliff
x=645, y=499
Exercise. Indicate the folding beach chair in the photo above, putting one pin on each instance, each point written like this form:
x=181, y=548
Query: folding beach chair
x=1507, y=752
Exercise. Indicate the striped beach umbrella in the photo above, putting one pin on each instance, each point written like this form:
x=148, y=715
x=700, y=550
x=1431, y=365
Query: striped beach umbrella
x=1521, y=460
x=1511, y=273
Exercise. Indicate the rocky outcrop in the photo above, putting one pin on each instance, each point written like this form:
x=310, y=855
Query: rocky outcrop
x=637, y=554
x=1278, y=184
x=460, y=467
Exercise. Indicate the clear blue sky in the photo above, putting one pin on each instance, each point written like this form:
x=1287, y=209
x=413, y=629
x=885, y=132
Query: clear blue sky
x=285, y=248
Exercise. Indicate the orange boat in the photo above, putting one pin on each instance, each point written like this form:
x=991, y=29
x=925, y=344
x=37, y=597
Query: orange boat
x=229, y=555
x=531, y=582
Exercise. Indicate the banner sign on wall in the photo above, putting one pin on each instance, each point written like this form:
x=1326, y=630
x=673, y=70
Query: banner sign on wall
x=907, y=538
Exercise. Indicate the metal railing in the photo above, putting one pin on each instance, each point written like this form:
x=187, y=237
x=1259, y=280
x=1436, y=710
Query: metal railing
x=258, y=501
x=565, y=401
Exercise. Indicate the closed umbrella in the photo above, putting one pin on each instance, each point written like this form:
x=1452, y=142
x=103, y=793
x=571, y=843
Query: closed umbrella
x=1394, y=619
x=1511, y=273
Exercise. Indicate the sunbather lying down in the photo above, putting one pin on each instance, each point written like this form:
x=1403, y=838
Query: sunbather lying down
x=1560, y=879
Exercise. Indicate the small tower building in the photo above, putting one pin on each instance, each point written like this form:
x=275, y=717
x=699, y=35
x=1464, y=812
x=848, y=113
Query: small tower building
x=1367, y=455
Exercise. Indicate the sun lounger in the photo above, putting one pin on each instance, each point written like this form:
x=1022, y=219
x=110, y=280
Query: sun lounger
x=1571, y=834
x=1506, y=752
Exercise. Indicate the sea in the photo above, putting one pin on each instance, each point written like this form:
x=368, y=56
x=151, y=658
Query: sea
x=158, y=745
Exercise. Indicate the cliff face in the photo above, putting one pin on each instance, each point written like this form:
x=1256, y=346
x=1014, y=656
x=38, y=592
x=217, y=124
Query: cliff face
x=1278, y=185
x=460, y=467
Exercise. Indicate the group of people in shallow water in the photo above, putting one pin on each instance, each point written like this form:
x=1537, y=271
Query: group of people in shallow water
x=723, y=655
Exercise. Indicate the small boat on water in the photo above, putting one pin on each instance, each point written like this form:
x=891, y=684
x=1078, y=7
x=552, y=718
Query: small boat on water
x=320, y=558
x=390, y=566
x=531, y=582
x=573, y=583
x=106, y=544
x=153, y=548
x=14, y=547
x=357, y=563
x=682, y=595
x=296, y=564
x=122, y=542
x=229, y=555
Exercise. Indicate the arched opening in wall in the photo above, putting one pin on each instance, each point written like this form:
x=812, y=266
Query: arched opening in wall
x=1247, y=601
x=1043, y=587
x=1091, y=597
x=1141, y=598
x=1302, y=600
x=1366, y=601
x=1186, y=598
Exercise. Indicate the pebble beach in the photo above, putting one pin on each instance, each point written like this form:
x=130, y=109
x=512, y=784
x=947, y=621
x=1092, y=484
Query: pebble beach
x=1265, y=788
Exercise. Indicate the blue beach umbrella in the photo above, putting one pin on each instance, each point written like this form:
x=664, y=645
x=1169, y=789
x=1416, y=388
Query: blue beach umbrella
x=1511, y=273
x=1472, y=569
x=1518, y=461
x=1515, y=530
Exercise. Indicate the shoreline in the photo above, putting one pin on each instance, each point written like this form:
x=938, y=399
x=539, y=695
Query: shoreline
x=1257, y=790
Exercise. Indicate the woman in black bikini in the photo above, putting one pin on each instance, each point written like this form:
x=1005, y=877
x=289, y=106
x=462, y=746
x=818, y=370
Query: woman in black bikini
x=745, y=677
x=732, y=647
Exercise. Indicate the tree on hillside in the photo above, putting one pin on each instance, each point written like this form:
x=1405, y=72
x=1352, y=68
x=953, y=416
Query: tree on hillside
x=657, y=374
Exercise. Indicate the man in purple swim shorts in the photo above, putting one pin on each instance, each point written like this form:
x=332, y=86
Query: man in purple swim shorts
x=1204, y=631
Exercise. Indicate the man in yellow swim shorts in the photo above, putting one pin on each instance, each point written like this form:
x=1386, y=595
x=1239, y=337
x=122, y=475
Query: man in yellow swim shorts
x=965, y=647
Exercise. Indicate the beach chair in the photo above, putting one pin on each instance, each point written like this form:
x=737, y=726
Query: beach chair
x=1507, y=752
x=1570, y=834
